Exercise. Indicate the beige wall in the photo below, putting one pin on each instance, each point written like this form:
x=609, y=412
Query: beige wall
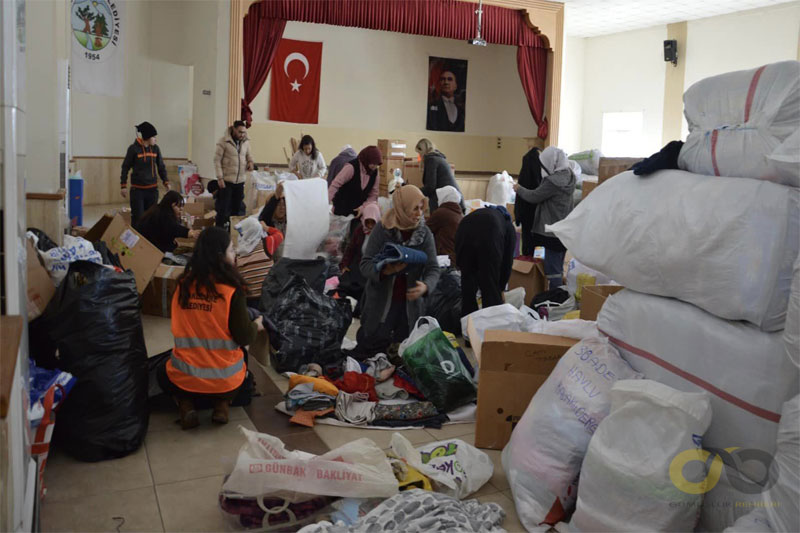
x=572, y=79
x=624, y=72
x=742, y=40
x=374, y=85
x=175, y=50
x=627, y=72
x=45, y=46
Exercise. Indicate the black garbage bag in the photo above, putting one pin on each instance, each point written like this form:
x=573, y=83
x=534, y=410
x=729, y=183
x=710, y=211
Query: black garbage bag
x=94, y=322
x=312, y=270
x=312, y=325
x=45, y=243
x=444, y=303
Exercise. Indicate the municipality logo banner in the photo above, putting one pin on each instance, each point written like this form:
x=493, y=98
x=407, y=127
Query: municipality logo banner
x=98, y=58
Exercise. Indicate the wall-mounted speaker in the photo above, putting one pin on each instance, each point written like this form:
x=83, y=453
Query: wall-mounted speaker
x=671, y=51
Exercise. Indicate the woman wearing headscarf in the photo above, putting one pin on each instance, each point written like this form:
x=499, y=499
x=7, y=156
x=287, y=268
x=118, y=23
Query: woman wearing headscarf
x=254, y=250
x=436, y=173
x=444, y=222
x=273, y=221
x=351, y=282
x=393, y=296
x=553, y=200
x=357, y=184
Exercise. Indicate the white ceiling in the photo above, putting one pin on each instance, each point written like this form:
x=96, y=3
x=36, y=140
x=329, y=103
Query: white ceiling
x=589, y=18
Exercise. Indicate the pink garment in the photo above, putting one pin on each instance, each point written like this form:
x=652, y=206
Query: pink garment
x=346, y=174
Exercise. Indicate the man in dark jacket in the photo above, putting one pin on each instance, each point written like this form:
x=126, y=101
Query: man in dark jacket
x=485, y=243
x=144, y=157
x=524, y=212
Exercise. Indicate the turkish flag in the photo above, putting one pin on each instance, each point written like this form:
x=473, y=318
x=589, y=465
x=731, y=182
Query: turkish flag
x=294, y=93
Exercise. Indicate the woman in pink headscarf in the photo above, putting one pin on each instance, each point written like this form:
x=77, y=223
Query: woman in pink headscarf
x=357, y=184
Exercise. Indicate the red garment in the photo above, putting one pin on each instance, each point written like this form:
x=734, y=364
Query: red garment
x=352, y=255
x=273, y=239
x=401, y=383
x=355, y=382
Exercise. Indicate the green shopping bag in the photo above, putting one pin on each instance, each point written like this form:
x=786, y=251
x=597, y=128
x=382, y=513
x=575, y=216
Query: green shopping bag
x=436, y=367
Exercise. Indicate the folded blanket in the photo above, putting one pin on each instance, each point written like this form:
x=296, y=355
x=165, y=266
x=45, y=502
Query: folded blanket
x=394, y=253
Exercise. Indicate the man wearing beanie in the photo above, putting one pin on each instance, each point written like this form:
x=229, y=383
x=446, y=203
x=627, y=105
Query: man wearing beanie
x=144, y=157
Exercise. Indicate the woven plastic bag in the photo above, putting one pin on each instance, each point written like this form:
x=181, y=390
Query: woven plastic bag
x=436, y=366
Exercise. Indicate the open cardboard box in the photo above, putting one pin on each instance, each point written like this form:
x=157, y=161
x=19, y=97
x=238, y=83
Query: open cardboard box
x=40, y=286
x=135, y=252
x=528, y=275
x=513, y=365
x=593, y=297
x=157, y=298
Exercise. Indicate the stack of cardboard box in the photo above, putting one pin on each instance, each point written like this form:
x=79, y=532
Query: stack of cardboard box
x=394, y=154
x=414, y=170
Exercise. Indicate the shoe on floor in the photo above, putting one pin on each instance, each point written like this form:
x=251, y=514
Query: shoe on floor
x=188, y=414
x=220, y=415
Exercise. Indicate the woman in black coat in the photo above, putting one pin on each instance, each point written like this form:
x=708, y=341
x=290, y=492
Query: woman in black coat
x=436, y=173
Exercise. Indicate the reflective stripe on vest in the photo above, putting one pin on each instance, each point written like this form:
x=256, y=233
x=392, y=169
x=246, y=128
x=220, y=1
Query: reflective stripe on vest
x=207, y=373
x=208, y=344
x=205, y=359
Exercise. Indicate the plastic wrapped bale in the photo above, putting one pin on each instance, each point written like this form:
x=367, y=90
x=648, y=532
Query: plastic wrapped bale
x=312, y=325
x=94, y=322
x=444, y=304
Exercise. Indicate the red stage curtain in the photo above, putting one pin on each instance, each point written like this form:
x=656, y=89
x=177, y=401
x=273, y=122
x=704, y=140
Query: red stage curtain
x=452, y=19
x=532, y=65
x=260, y=38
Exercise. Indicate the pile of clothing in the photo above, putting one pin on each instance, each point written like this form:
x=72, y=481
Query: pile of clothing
x=375, y=392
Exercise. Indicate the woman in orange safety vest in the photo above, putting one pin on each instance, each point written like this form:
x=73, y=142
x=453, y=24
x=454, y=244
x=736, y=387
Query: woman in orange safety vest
x=210, y=323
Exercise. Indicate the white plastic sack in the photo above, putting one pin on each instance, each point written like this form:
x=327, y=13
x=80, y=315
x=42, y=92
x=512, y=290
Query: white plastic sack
x=580, y=276
x=504, y=317
x=423, y=326
x=358, y=469
x=574, y=329
x=753, y=522
x=745, y=369
x=738, y=120
x=589, y=161
x=258, y=185
x=557, y=310
x=57, y=260
x=250, y=233
x=515, y=297
x=791, y=335
x=500, y=190
x=454, y=467
x=782, y=500
x=544, y=455
x=783, y=164
x=625, y=482
x=726, y=246
x=187, y=175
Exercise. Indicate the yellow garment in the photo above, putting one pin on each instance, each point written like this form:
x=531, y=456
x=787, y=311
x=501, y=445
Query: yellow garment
x=414, y=480
x=452, y=339
x=320, y=385
x=584, y=280
x=572, y=315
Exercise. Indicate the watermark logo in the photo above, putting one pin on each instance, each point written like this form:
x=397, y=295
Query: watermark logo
x=714, y=461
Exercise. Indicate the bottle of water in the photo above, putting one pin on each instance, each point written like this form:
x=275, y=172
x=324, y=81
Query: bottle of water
x=398, y=174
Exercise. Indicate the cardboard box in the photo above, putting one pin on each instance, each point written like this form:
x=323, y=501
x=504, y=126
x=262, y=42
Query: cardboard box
x=587, y=187
x=184, y=245
x=207, y=200
x=40, y=286
x=195, y=209
x=528, y=275
x=392, y=148
x=79, y=231
x=135, y=252
x=157, y=298
x=513, y=366
x=593, y=297
x=260, y=348
x=413, y=171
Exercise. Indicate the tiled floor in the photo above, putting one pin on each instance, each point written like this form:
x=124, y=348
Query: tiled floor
x=173, y=481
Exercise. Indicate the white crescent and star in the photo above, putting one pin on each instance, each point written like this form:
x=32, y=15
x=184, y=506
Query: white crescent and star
x=295, y=56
